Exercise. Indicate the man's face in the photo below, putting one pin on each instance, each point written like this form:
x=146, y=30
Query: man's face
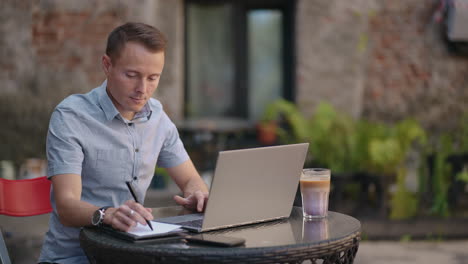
x=133, y=77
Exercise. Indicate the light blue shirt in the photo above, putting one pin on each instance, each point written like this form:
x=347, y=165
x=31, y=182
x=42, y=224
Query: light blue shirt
x=88, y=136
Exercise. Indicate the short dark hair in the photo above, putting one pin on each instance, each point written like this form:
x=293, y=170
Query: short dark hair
x=149, y=36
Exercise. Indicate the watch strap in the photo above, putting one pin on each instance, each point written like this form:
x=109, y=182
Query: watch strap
x=104, y=208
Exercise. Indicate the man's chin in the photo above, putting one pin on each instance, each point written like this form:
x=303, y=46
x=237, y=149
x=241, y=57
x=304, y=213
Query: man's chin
x=137, y=109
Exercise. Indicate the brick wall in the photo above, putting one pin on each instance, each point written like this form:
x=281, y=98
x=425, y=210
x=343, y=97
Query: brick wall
x=380, y=59
x=51, y=49
x=67, y=40
x=409, y=71
x=383, y=60
x=330, y=61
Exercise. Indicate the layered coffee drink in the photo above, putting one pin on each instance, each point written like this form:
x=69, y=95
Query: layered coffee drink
x=315, y=189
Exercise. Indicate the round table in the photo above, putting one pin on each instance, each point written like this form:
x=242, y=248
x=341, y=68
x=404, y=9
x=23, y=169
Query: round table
x=334, y=239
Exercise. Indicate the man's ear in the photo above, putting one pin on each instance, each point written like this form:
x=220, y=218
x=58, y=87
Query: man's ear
x=106, y=64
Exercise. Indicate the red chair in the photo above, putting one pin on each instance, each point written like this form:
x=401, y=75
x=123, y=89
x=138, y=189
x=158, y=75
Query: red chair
x=23, y=198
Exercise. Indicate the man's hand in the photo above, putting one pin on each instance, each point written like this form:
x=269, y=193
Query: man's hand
x=127, y=215
x=194, y=188
x=194, y=201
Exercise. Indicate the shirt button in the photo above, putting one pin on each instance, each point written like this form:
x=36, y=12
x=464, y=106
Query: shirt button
x=136, y=150
x=130, y=124
x=135, y=178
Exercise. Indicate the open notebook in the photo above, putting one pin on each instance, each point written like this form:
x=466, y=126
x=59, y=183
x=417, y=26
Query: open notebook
x=141, y=232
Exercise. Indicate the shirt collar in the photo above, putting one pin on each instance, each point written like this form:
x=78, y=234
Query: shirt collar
x=110, y=111
x=106, y=103
x=144, y=114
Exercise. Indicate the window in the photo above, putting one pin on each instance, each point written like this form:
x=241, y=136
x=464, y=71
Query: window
x=239, y=56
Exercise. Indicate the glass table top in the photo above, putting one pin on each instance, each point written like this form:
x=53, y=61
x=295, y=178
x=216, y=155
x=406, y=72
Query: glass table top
x=290, y=231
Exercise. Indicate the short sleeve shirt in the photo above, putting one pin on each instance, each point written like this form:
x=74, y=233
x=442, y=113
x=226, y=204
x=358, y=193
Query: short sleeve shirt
x=88, y=136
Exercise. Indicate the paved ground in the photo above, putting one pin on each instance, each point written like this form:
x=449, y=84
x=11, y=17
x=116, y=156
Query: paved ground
x=24, y=238
x=418, y=252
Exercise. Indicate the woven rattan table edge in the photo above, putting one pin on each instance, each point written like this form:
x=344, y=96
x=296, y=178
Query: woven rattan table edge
x=302, y=250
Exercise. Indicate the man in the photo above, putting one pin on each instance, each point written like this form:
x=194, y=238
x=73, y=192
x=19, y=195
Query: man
x=113, y=134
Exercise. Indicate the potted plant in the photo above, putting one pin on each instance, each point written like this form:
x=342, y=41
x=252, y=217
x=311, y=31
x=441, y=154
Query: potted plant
x=329, y=133
x=266, y=132
x=332, y=139
x=277, y=113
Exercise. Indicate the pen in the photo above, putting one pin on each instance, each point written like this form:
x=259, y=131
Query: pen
x=130, y=187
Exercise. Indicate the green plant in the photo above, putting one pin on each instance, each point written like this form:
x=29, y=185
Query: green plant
x=463, y=175
x=389, y=149
x=365, y=133
x=364, y=236
x=329, y=133
x=405, y=238
x=435, y=237
x=449, y=146
x=462, y=134
x=423, y=176
x=441, y=176
x=404, y=203
x=344, y=145
x=160, y=179
x=388, y=152
x=298, y=124
x=332, y=139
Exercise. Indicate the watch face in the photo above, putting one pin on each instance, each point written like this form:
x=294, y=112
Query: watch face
x=96, y=220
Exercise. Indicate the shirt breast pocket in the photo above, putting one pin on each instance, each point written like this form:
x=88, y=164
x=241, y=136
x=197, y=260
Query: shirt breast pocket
x=109, y=165
x=111, y=155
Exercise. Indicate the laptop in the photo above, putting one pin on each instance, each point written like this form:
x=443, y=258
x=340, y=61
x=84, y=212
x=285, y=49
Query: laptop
x=249, y=186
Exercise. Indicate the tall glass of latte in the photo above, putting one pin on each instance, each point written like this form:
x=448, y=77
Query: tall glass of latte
x=315, y=187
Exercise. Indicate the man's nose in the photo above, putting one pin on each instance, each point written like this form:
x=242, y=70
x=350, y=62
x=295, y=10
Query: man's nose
x=142, y=86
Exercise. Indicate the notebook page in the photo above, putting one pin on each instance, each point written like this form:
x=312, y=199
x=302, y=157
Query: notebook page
x=158, y=229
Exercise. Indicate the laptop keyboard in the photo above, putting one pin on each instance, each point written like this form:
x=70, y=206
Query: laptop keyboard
x=193, y=223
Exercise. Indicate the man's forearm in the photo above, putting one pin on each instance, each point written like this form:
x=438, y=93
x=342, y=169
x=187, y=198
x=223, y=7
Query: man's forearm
x=187, y=178
x=75, y=213
x=67, y=194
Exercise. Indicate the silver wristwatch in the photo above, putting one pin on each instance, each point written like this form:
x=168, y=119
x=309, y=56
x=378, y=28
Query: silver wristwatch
x=98, y=216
